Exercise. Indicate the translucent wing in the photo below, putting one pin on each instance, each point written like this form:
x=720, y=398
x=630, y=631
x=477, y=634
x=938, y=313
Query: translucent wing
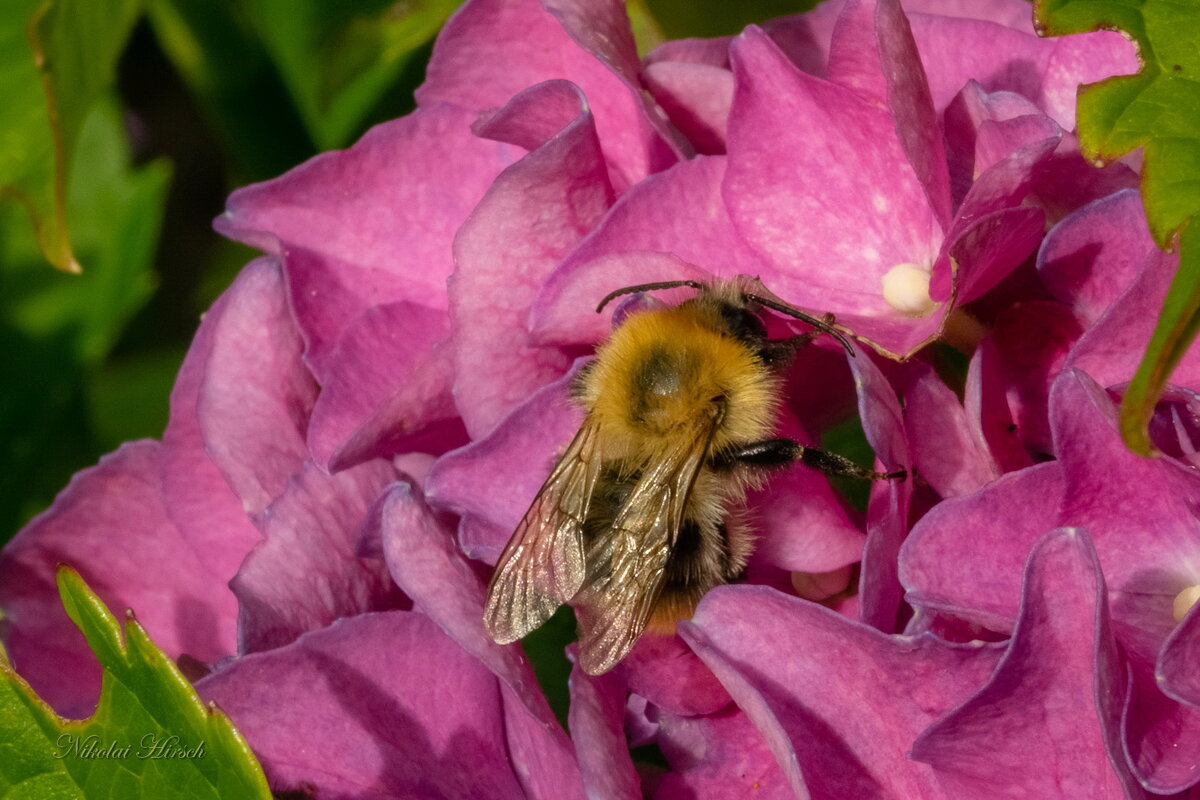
x=542, y=566
x=627, y=563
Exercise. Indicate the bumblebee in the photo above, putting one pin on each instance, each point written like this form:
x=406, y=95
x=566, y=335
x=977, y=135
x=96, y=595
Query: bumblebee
x=644, y=511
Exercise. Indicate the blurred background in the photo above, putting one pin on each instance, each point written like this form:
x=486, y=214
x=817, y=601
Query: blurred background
x=124, y=125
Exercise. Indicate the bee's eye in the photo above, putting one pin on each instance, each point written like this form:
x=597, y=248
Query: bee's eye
x=743, y=323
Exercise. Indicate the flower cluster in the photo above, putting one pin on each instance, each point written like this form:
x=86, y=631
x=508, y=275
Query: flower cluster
x=368, y=410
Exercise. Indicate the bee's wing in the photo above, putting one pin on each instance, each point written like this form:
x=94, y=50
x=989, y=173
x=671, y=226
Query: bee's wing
x=542, y=566
x=626, y=564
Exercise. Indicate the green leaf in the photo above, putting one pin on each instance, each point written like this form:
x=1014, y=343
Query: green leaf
x=339, y=59
x=56, y=59
x=1158, y=109
x=151, y=735
x=56, y=328
x=214, y=47
x=679, y=19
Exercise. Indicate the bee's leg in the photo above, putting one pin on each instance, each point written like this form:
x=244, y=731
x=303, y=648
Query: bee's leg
x=781, y=452
x=779, y=353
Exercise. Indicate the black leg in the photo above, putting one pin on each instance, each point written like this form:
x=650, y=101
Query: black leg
x=840, y=466
x=781, y=452
x=779, y=353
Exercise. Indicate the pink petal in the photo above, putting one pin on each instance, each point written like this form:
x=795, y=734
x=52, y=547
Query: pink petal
x=946, y=449
x=990, y=235
x=989, y=411
x=391, y=380
x=379, y=705
x=695, y=97
x=1032, y=341
x=477, y=481
x=1094, y=254
x=110, y=525
x=195, y=495
x=888, y=510
x=1140, y=511
x=254, y=401
x=384, y=234
x=305, y=574
x=1177, y=659
x=427, y=566
x=664, y=671
x=983, y=128
x=492, y=49
x=1062, y=662
x=840, y=732
x=822, y=237
x=597, y=716
x=565, y=311
x=532, y=215
x=1162, y=736
x=872, y=52
x=1112, y=348
x=720, y=756
x=1002, y=58
x=940, y=563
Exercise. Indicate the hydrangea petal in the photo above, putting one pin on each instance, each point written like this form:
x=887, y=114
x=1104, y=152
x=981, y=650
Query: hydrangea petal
x=787, y=126
x=1162, y=736
x=888, y=509
x=305, y=574
x=648, y=220
x=110, y=524
x=531, y=216
x=718, y=757
x=872, y=51
x=392, y=380
x=1140, y=511
x=1032, y=341
x=803, y=525
x=475, y=481
x=482, y=58
x=946, y=449
x=666, y=673
x=1047, y=71
x=1063, y=661
x=940, y=565
x=983, y=128
x=842, y=732
x=1112, y=348
x=328, y=715
x=990, y=234
x=1180, y=653
x=597, y=716
x=985, y=399
x=385, y=235
x=1093, y=255
x=1142, y=515
x=565, y=311
x=695, y=97
x=255, y=399
x=427, y=566
x=196, y=497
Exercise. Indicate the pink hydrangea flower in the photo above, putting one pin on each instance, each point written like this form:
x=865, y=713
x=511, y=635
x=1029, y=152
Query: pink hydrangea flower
x=368, y=410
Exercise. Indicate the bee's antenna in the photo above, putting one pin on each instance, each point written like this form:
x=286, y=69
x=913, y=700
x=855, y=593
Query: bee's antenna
x=816, y=322
x=646, y=287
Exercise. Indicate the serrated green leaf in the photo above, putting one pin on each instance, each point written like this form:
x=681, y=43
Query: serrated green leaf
x=1158, y=109
x=338, y=59
x=150, y=737
x=56, y=59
